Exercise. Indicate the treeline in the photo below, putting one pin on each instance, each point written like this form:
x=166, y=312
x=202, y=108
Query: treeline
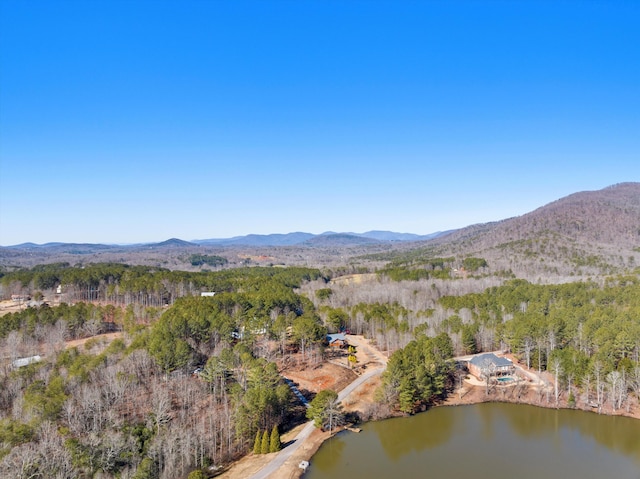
x=122, y=284
x=75, y=321
x=209, y=260
x=598, y=322
x=416, y=269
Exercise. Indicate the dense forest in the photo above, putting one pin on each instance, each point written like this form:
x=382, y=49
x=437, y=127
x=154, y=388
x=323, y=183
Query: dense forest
x=122, y=284
x=193, y=381
x=134, y=409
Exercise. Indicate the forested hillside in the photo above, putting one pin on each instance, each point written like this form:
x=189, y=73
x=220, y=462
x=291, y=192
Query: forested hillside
x=587, y=233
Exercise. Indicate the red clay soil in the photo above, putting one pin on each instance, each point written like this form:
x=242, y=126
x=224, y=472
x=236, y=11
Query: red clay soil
x=323, y=376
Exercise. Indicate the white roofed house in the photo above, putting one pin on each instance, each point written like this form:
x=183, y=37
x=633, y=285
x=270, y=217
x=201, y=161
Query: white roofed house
x=21, y=362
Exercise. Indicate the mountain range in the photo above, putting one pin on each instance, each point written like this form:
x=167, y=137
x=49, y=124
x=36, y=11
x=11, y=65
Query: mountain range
x=589, y=232
x=287, y=239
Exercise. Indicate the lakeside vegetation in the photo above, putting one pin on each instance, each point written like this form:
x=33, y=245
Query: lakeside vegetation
x=135, y=410
x=587, y=335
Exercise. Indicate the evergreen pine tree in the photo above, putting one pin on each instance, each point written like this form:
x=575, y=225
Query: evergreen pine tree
x=257, y=445
x=275, y=440
x=265, y=443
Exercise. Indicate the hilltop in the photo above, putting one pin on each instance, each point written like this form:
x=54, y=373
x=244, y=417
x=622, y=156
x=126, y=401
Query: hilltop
x=590, y=232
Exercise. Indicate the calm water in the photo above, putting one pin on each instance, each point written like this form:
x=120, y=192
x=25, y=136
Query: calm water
x=492, y=441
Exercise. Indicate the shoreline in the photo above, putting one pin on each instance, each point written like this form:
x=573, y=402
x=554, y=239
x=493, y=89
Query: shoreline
x=633, y=413
x=472, y=392
x=451, y=401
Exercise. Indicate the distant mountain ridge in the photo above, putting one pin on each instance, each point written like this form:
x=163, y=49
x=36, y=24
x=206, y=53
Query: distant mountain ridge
x=328, y=237
x=339, y=239
x=276, y=239
x=582, y=234
x=255, y=240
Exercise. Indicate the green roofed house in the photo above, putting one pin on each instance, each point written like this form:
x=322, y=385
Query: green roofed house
x=491, y=364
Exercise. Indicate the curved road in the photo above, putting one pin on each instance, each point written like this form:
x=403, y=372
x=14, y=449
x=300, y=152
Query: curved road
x=286, y=453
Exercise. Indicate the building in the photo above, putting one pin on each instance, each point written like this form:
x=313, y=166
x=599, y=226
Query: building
x=490, y=363
x=21, y=362
x=338, y=340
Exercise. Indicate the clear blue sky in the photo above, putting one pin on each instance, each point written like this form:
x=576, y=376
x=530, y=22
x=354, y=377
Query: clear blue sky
x=133, y=121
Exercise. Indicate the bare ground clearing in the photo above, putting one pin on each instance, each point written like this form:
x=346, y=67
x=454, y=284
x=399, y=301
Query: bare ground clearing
x=100, y=340
x=356, y=278
x=10, y=306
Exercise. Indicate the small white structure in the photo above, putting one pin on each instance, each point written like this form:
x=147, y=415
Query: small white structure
x=207, y=293
x=21, y=362
x=304, y=465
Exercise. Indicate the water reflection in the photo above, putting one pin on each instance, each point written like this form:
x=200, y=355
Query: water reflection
x=486, y=441
x=619, y=434
x=402, y=436
x=334, y=450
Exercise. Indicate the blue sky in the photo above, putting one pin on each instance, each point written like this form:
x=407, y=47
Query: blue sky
x=133, y=121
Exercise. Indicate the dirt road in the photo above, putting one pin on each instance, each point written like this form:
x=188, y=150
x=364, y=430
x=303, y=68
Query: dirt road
x=285, y=464
x=278, y=461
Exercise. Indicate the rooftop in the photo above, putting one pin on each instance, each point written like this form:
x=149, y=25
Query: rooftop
x=336, y=337
x=491, y=358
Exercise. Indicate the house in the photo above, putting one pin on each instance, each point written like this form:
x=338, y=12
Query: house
x=338, y=340
x=489, y=362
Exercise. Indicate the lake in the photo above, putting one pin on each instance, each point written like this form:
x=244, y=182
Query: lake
x=491, y=440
